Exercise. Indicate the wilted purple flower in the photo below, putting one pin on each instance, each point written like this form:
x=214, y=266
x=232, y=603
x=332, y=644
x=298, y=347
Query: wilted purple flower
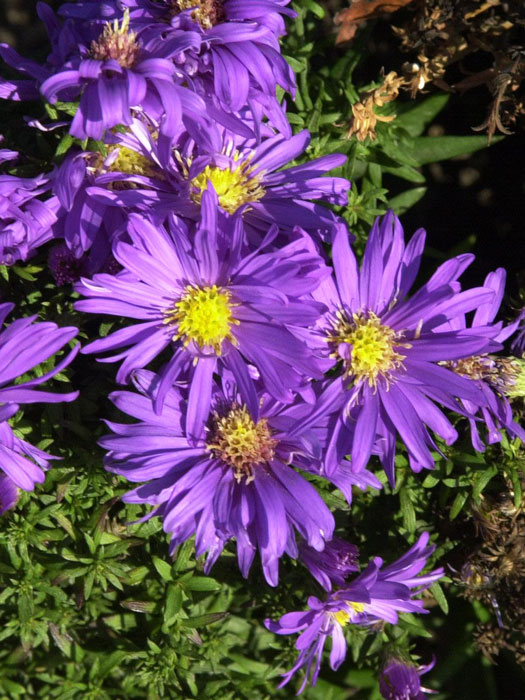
x=25, y=221
x=497, y=377
x=216, y=308
x=235, y=480
x=23, y=345
x=518, y=344
x=388, y=352
x=400, y=680
x=376, y=595
x=333, y=565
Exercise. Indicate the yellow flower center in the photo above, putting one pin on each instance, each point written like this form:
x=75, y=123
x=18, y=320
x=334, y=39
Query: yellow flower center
x=343, y=617
x=373, y=352
x=203, y=315
x=116, y=42
x=207, y=13
x=240, y=442
x=233, y=187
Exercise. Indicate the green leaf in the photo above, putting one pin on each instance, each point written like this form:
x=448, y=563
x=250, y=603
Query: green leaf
x=202, y=583
x=64, y=144
x=431, y=149
x=401, y=202
x=163, y=568
x=203, y=620
x=482, y=481
x=407, y=509
x=173, y=604
x=415, y=116
x=439, y=596
x=457, y=505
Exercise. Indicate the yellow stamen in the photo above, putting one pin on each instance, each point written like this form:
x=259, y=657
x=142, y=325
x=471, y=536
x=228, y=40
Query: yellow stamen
x=240, y=442
x=203, y=315
x=373, y=344
x=233, y=187
x=132, y=163
x=343, y=617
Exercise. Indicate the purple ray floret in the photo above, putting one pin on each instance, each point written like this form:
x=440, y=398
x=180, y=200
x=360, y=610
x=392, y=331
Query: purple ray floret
x=388, y=351
x=333, y=565
x=26, y=222
x=235, y=481
x=496, y=376
x=212, y=305
x=23, y=346
x=377, y=594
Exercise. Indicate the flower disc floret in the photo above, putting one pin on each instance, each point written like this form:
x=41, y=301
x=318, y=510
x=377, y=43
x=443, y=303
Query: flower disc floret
x=203, y=315
x=234, y=187
x=241, y=442
x=373, y=346
x=131, y=162
x=207, y=13
x=116, y=43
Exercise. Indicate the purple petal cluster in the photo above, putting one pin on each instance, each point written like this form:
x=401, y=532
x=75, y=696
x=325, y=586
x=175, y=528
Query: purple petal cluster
x=25, y=221
x=212, y=305
x=389, y=351
x=23, y=346
x=378, y=594
x=234, y=480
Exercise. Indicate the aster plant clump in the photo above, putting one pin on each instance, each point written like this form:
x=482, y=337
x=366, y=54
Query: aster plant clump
x=265, y=398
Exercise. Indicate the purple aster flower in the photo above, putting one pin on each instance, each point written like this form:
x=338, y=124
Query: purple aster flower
x=387, y=350
x=214, y=306
x=87, y=222
x=25, y=221
x=333, y=565
x=400, y=680
x=246, y=176
x=114, y=72
x=24, y=345
x=377, y=594
x=236, y=480
x=236, y=61
x=498, y=378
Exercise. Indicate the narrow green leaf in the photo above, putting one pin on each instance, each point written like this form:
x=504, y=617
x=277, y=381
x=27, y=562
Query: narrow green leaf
x=439, y=596
x=202, y=583
x=203, y=620
x=407, y=509
x=407, y=199
x=163, y=568
x=415, y=116
x=457, y=505
x=431, y=149
x=482, y=481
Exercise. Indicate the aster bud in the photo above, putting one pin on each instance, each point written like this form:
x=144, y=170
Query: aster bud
x=400, y=680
